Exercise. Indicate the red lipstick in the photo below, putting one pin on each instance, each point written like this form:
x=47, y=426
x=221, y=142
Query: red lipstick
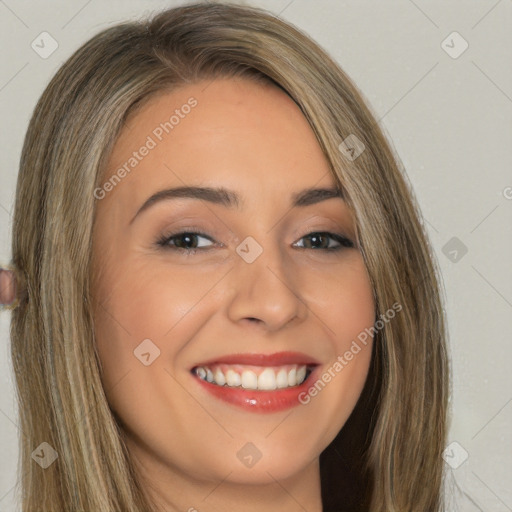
x=276, y=359
x=284, y=396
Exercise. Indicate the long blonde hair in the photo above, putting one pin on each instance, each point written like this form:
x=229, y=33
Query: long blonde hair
x=393, y=442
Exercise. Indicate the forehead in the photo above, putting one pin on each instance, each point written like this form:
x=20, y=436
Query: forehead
x=226, y=131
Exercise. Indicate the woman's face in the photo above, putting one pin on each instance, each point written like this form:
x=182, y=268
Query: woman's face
x=274, y=289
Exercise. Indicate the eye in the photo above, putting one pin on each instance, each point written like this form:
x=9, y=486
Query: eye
x=187, y=241
x=322, y=240
x=184, y=241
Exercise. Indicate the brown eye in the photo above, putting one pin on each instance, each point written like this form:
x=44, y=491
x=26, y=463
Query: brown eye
x=322, y=240
x=184, y=241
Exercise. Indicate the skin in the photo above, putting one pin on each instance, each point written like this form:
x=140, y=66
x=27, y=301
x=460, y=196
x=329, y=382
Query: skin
x=7, y=287
x=253, y=139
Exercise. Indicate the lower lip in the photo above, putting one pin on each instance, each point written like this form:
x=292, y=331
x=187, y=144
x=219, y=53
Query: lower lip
x=259, y=401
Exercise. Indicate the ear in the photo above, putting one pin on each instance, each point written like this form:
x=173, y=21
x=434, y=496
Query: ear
x=7, y=287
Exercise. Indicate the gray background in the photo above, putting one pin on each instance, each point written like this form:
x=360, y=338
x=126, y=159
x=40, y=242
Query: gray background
x=449, y=119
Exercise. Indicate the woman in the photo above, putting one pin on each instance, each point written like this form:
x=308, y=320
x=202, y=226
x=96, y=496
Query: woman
x=255, y=368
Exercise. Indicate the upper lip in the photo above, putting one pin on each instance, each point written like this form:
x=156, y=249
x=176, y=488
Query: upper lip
x=275, y=359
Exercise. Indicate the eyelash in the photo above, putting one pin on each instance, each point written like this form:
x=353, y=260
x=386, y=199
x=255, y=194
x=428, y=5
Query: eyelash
x=163, y=241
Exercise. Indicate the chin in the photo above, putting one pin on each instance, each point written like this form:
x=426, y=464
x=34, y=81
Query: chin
x=262, y=473
x=275, y=463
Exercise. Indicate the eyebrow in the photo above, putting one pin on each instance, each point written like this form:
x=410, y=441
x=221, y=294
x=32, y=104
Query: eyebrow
x=230, y=199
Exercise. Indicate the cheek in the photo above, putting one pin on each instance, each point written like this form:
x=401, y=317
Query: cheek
x=353, y=310
x=157, y=301
x=342, y=300
x=147, y=303
x=352, y=314
x=345, y=305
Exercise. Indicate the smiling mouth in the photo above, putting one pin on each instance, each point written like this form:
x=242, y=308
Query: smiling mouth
x=251, y=377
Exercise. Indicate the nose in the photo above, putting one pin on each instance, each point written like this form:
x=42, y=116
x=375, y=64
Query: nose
x=265, y=291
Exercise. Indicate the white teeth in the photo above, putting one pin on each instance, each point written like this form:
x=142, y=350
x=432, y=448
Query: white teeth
x=233, y=379
x=219, y=378
x=301, y=374
x=268, y=380
x=282, y=379
x=249, y=380
x=292, y=377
